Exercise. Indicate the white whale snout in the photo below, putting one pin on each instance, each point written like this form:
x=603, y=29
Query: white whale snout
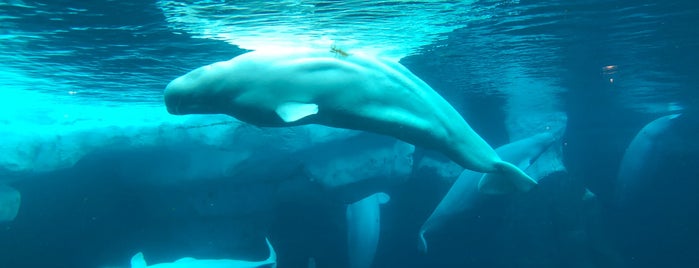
x=172, y=101
x=186, y=95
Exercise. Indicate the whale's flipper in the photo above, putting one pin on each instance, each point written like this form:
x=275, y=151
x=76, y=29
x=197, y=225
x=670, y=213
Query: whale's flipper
x=588, y=195
x=272, y=259
x=137, y=261
x=422, y=243
x=294, y=111
x=509, y=179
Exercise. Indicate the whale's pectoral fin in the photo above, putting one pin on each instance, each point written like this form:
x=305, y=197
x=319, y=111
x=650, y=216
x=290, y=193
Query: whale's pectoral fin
x=507, y=179
x=137, y=261
x=294, y=111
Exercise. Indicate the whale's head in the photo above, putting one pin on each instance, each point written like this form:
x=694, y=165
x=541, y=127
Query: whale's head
x=205, y=90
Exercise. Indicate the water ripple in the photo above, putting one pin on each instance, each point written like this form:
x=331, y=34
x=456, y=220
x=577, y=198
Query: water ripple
x=390, y=28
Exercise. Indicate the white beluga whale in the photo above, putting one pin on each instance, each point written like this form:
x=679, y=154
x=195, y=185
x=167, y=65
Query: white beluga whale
x=290, y=88
x=138, y=261
x=632, y=179
x=363, y=229
x=464, y=193
x=10, y=200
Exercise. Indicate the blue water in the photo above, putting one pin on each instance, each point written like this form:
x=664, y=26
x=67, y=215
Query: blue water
x=104, y=172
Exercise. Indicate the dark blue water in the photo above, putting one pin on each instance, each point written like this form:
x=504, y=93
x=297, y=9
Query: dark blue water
x=99, y=211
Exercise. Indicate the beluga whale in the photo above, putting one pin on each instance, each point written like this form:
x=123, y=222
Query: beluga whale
x=363, y=229
x=463, y=194
x=138, y=261
x=634, y=179
x=283, y=88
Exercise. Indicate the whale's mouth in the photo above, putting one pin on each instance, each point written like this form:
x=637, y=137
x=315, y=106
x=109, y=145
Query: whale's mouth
x=177, y=106
x=173, y=103
x=174, y=93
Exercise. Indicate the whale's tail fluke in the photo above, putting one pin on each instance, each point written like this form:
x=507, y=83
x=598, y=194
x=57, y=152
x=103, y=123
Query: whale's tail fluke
x=507, y=179
x=272, y=259
x=422, y=243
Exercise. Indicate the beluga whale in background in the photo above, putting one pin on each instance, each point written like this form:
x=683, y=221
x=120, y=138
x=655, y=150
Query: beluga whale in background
x=463, y=194
x=363, y=229
x=353, y=91
x=634, y=177
x=138, y=261
x=10, y=200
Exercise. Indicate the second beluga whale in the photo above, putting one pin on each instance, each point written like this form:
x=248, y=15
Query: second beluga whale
x=297, y=87
x=363, y=229
x=138, y=261
x=637, y=163
x=463, y=194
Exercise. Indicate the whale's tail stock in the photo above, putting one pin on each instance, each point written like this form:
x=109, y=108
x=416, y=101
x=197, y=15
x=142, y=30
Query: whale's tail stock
x=507, y=179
